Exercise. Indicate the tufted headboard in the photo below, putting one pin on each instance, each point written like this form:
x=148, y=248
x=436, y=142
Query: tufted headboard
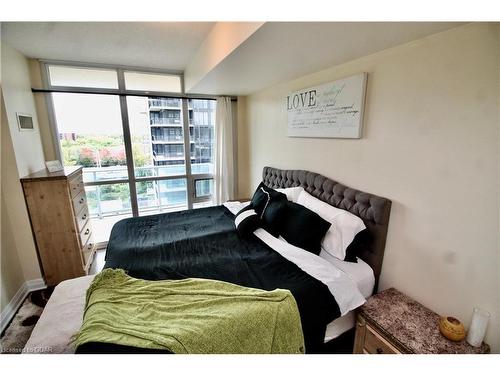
x=372, y=209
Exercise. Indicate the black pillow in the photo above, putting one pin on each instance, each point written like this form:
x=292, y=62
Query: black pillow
x=259, y=199
x=361, y=241
x=262, y=195
x=247, y=221
x=269, y=206
x=273, y=215
x=303, y=228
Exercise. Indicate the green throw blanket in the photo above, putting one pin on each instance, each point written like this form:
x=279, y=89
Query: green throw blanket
x=189, y=316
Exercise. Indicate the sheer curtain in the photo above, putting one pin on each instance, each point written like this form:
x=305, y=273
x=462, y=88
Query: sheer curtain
x=224, y=151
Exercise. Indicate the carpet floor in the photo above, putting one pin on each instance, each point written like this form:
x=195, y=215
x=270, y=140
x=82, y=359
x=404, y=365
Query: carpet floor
x=17, y=334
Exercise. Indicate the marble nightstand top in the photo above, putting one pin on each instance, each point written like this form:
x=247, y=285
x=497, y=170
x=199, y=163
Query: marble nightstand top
x=411, y=325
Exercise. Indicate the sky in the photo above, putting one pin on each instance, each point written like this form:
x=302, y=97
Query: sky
x=99, y=114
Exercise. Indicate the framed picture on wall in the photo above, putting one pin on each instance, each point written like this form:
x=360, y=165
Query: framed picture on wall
x=331, y=110
x=25, y=122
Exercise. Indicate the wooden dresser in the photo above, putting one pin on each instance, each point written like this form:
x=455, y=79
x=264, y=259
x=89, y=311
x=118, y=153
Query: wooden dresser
x=59, y=216
x=391, y=323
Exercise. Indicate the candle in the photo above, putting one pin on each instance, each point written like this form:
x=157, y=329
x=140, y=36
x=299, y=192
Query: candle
x=478, y=325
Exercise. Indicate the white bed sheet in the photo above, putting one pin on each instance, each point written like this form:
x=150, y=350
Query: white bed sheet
x=61, y=318
x=361, y=273
x=342, y=286
x=364, y=278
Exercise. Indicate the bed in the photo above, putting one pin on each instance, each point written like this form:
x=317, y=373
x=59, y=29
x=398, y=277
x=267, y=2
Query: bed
x=203, y=243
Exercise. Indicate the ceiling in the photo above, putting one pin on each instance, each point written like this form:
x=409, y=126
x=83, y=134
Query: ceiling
x=166, y=45
x=275, y=52
x=278, y=52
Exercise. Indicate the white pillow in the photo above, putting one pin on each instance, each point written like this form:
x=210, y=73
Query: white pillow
x=292, y=193
x=344, y=224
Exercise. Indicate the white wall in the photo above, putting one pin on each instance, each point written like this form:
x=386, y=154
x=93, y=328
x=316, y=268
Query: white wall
x=16, y=87
x=11, y=272
x=223, y=39
x=430, y=144
x=21, y=154
x=49, y=148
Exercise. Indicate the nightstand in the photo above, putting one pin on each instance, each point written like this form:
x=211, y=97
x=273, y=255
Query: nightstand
x=391, y=323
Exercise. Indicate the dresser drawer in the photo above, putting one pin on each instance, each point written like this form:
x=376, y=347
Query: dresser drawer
x=76, y=185
x=376, y=344
x=79, y=202
x=88, y=252
x=85, y=234
x=81, y=218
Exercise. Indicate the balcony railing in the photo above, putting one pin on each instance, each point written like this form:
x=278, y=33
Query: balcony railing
x=164, y=121
x=162, y=157
x=95, y=175
x=109, y=201
x=164, y=103
x=167, y=138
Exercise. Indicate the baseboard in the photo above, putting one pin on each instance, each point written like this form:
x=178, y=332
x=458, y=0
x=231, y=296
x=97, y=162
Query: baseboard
x=35, y=284
x=15, y=303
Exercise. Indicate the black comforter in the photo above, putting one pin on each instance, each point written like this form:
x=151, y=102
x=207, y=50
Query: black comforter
x=203, y=243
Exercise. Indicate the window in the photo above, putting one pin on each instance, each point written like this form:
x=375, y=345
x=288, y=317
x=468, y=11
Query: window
x=204, y=188
x=162, y=196
x=201, y=135
x=91, y=134
x=156, y=141
x=82, y=77
x=155, y=159
x=152, y=82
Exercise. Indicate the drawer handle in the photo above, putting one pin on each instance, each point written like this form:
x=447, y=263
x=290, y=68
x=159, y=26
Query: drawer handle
x=87, y=231
x=89, y=246
x=84, y=217
x=82, y=200
x=379, y=351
